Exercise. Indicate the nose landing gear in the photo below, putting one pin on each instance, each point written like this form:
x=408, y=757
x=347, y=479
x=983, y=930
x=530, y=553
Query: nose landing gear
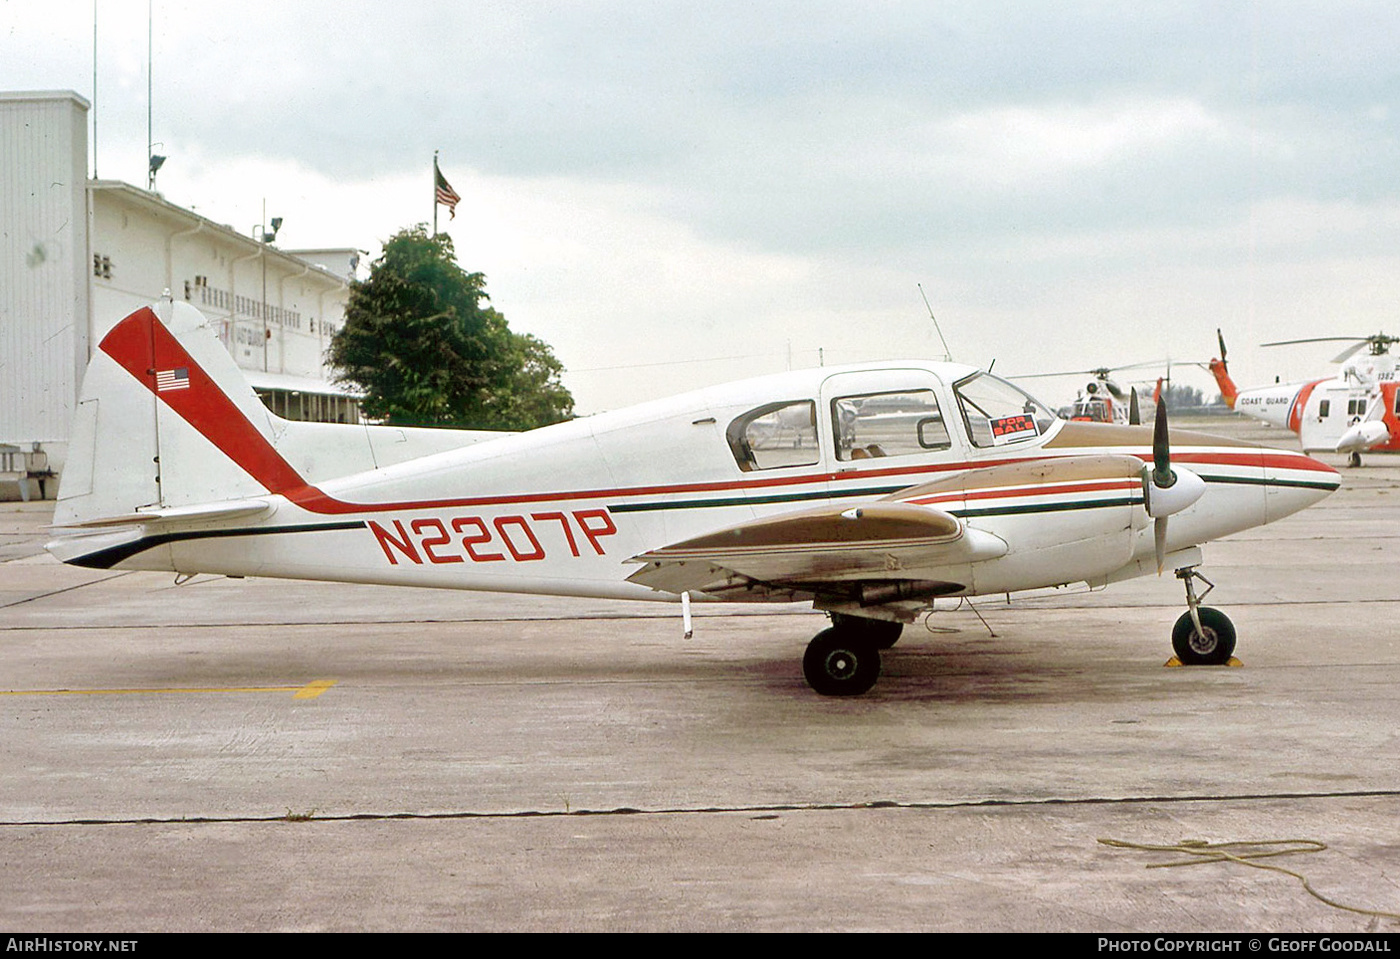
x=1203, y=636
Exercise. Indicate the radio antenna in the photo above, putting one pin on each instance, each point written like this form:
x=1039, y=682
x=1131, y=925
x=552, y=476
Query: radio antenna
x=947, y=353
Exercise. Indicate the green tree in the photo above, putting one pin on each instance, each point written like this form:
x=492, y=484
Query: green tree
x=424, y=345
x=1182, y=397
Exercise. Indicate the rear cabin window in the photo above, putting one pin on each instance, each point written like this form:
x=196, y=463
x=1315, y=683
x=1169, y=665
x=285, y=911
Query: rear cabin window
x=888, y=424
x=774, y=436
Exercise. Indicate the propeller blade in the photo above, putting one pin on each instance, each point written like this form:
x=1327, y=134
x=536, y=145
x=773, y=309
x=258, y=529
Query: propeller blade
x=1166, y=490
x=1221, y=337
x=1134, y=414
x=1162, y=478
x=1162, y=475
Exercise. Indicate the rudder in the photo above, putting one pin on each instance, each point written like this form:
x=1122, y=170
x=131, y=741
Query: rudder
x=166, y=419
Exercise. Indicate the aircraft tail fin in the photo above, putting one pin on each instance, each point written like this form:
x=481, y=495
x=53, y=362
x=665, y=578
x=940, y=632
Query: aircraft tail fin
x=1220, y=369
x=1228, y=391
x=165, y=422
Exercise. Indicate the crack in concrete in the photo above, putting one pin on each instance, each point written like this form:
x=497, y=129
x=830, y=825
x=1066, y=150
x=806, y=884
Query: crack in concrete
x=762, y=810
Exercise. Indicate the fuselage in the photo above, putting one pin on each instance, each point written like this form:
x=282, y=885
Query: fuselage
x=1326, y=413
x=561, y=510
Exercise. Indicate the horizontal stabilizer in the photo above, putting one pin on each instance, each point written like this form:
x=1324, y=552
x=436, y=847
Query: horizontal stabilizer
x=177, y=514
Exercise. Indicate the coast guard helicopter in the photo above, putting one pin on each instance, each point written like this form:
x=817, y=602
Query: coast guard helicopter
x=867, y=491
x=1355, y=411
x=1102, y=400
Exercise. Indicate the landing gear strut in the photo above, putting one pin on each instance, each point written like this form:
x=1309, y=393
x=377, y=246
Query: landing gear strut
x=882, y=632
x=1202, y=636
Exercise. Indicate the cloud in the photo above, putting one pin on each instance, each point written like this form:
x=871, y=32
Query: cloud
x=1075, y=184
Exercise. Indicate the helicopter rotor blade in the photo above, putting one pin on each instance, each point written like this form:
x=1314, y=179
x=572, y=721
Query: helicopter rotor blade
x=1318, y=339
x=1350, y=351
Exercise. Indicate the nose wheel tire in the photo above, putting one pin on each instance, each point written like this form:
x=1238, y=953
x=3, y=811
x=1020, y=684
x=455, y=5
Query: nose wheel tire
x=840, y=662
x=1212, y=645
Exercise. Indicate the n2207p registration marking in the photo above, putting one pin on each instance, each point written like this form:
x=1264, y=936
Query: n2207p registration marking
x=520, y=538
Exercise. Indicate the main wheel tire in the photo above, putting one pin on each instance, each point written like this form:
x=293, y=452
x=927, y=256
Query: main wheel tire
x=882, y=632
x=1213, y=647
x=841, y=662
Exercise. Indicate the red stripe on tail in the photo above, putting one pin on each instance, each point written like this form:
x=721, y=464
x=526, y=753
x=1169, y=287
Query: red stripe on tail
x=142, y=345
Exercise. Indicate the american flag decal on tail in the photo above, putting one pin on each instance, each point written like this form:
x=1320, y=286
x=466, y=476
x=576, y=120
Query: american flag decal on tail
x=167, y=380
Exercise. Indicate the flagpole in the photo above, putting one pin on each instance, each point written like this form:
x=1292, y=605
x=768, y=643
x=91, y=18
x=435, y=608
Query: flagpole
x=435, y=202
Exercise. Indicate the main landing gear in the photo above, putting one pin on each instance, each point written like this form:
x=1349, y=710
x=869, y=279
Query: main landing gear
x=1202, y=636
x=845, y=659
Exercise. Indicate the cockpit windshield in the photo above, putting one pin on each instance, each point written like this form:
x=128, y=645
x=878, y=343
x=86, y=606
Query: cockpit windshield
x=997, y=413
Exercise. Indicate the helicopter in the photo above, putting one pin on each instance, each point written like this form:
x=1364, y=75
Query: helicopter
x=1101, y=399
x=1356, y=411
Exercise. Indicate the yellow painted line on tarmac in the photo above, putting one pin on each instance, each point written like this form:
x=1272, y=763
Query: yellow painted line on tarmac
x=314, y=688
x=310, y=691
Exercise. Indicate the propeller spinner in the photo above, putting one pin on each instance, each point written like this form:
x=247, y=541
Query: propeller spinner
x=1166, y=490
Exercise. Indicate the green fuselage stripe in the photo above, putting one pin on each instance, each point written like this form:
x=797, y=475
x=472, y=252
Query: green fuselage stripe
x=107, y=558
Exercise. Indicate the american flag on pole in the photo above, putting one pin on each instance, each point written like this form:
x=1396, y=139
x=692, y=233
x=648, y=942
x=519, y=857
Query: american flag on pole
x=167, y=380
x=445, y=194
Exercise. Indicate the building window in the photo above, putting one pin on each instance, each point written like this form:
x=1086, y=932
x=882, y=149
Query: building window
x=311, y=407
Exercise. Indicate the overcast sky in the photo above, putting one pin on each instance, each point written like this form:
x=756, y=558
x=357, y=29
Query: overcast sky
x=675, y=194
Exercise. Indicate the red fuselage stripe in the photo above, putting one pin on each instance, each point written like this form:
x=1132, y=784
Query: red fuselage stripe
x=1300, y=402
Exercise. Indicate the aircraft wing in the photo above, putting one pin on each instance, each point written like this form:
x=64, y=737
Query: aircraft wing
x=915, y=544
x=816, y=552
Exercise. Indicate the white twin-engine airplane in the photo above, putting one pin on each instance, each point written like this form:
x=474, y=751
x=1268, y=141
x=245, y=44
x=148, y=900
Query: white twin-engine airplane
x=867, y=491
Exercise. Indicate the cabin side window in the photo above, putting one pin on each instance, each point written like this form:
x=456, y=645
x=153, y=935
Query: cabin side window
x=1324, y=409
x=774, y=436
x=888, y=424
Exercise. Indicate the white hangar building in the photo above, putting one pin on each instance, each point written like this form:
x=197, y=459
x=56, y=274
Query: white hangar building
x=78, y=255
